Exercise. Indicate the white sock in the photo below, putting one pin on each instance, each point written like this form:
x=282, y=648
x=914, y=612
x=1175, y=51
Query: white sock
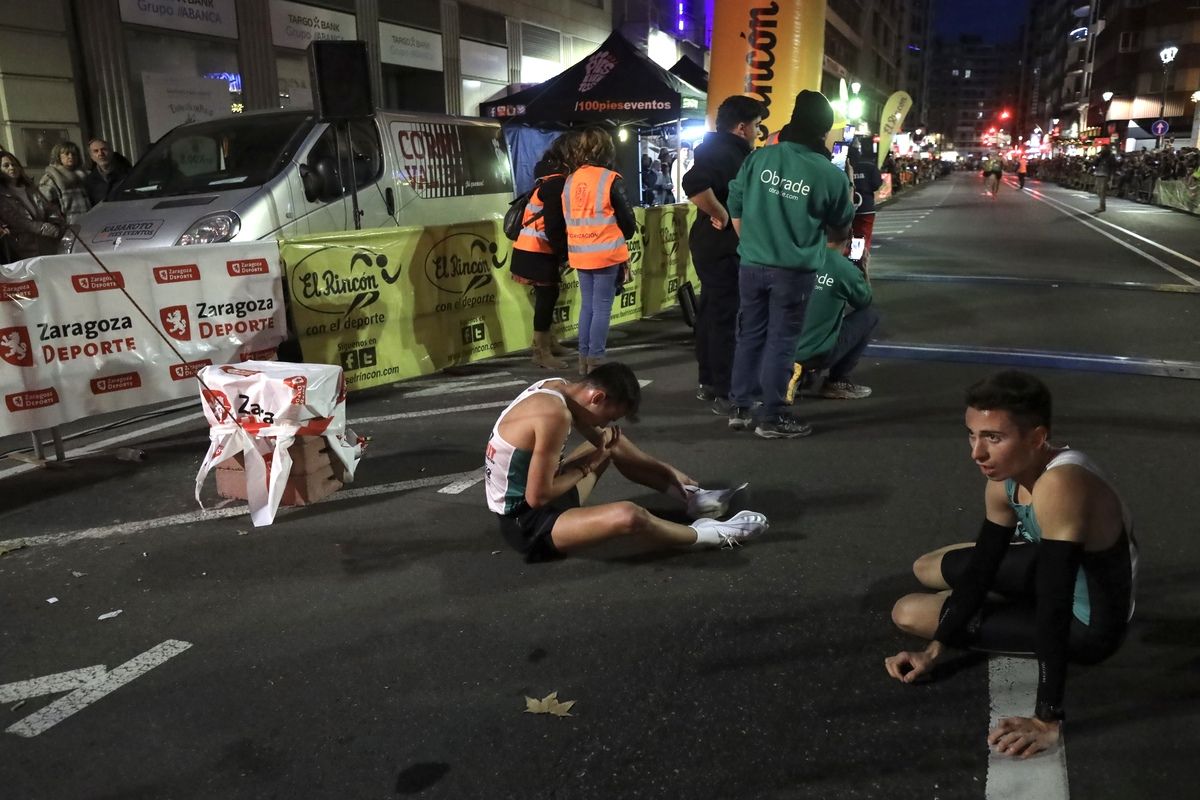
x=706, y=536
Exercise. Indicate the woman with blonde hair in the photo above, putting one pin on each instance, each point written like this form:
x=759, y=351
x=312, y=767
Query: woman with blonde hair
x=34, y=224
x=65, y=182
x=599, y=220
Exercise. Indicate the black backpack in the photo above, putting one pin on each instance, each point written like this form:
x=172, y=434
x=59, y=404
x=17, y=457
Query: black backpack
x=514, y=218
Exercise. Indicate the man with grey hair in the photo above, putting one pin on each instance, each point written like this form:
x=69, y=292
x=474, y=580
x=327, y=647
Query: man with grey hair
x=108, y=169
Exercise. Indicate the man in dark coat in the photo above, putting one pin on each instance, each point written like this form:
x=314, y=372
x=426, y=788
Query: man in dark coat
x=108, y=169
x=713, y=243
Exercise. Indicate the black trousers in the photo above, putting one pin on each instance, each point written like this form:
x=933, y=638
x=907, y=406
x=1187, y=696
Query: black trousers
x=716, y=320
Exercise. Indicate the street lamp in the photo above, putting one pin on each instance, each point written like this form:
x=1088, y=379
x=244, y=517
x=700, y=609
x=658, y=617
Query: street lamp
x=1166, y=55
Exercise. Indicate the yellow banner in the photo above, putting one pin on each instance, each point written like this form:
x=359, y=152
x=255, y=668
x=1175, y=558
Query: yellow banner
x=396, y=303
x=769, y=50
x=894, y=111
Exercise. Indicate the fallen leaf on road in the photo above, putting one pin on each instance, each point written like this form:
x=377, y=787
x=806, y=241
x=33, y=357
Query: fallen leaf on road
x=4, y=550
x=51, y=600
x=548, y=705
x=78, y=574
x=109, y=615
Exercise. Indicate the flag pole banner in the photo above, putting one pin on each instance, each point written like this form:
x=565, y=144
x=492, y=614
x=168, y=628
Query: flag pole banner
x=894, y=111
x=73, y=343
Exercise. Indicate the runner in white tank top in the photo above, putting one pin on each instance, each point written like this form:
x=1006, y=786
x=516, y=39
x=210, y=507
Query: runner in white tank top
x=538, y=495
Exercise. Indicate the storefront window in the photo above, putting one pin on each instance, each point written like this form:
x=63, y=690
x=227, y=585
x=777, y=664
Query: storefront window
x=475, y=91
x=180, y=62
x=412, y=68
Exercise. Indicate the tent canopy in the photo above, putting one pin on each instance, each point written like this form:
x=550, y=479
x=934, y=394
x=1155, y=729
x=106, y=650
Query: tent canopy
x=617, y=84
x=691, y=72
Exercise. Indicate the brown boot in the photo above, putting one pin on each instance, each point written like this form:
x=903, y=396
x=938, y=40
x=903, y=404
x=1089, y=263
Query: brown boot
x=542, y=356
x=556, y=348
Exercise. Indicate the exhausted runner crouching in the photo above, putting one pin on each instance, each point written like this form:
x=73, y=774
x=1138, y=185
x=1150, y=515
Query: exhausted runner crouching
x=538, y=494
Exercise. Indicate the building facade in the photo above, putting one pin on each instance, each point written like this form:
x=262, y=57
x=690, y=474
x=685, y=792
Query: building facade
x=975, y=92
x=128, y=70
x=1096, y=72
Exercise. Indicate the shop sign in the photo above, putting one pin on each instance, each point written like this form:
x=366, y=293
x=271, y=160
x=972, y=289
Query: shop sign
x=410, y=47
x=210, y=17
x=294, y=25
x=483, y=60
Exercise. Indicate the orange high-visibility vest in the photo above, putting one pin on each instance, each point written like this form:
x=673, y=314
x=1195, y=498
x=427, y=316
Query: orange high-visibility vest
x=594, y=240
x=533, y=231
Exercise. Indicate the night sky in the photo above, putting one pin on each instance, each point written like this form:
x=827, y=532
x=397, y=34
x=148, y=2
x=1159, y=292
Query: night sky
x=994, y=20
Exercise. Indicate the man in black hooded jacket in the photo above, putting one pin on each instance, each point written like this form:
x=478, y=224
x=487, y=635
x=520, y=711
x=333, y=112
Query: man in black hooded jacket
x=713, y=243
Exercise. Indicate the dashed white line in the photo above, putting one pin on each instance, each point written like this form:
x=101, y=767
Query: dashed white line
x=1012, y=683
x=191, y=517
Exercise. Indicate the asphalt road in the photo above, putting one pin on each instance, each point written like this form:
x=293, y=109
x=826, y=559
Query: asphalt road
x=382, y=643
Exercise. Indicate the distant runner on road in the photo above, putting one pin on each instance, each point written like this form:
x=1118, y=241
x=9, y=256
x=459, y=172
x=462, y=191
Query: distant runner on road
x=537, y=493
x=1056, y=547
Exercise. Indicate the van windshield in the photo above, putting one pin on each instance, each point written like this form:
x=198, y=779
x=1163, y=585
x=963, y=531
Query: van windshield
x=230, y=153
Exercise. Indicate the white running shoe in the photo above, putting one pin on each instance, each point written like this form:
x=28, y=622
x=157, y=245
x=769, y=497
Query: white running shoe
x=732, y=532
x=709, y=502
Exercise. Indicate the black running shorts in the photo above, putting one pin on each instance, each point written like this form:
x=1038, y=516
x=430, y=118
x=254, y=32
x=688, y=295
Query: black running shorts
x=527, y=530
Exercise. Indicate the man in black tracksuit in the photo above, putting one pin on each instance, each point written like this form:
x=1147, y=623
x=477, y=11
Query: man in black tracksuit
x=714, y=244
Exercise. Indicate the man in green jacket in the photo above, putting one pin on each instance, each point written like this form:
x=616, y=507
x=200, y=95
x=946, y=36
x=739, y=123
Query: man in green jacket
x=781, y=202
x=833, y=339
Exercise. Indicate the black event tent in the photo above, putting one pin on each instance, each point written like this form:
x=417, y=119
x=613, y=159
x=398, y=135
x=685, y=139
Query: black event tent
x=617, y=84
x=691, y=72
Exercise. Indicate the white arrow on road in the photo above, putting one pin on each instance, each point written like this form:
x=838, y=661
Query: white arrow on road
x=87, y=685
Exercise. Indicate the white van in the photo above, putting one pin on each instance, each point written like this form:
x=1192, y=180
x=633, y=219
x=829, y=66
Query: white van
x=285, y=173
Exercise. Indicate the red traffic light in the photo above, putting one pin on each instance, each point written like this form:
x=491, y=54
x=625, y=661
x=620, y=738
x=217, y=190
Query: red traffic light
x=1004, y=114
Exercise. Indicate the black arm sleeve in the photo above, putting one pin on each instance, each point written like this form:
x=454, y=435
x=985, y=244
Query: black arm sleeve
x=624, y=212
x=965, y=600
x=1057, y=565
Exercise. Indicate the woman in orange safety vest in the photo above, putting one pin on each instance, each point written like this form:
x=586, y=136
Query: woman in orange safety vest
x=599, y=220
x=541, y=249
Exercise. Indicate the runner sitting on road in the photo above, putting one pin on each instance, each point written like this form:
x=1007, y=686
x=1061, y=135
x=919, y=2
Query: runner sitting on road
x=537, y=494
x=1065, y=582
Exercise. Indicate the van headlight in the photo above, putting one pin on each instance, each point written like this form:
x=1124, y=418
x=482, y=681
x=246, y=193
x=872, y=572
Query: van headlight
x=212, y=229
x=66, y=244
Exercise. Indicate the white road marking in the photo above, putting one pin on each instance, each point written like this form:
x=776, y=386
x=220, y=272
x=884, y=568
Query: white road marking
x=1128, y=232
x=429, y=412
x=458, y=487
x=104, y=683
x=1012, y=683
x=456, y=387
x=1070, y=211
x=50, y=684
x=104, y=444
x=191, y=517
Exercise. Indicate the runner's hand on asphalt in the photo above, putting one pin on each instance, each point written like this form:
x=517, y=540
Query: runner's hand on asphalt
x=1022, y=737
x=908, y=665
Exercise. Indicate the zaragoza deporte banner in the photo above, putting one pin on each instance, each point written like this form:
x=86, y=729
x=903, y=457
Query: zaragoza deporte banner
x=769, y=49
x=394, y=303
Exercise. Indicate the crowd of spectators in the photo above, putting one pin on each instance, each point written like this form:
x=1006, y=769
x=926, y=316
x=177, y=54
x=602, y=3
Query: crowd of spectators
x=35, y=214
x=907, y=170
x=1135, y=174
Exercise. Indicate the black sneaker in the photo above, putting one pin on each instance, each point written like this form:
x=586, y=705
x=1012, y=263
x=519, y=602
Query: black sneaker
x=844, y=390
x=739, y=418
x=721, y=406
x=705, y=393
x=784, y=426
